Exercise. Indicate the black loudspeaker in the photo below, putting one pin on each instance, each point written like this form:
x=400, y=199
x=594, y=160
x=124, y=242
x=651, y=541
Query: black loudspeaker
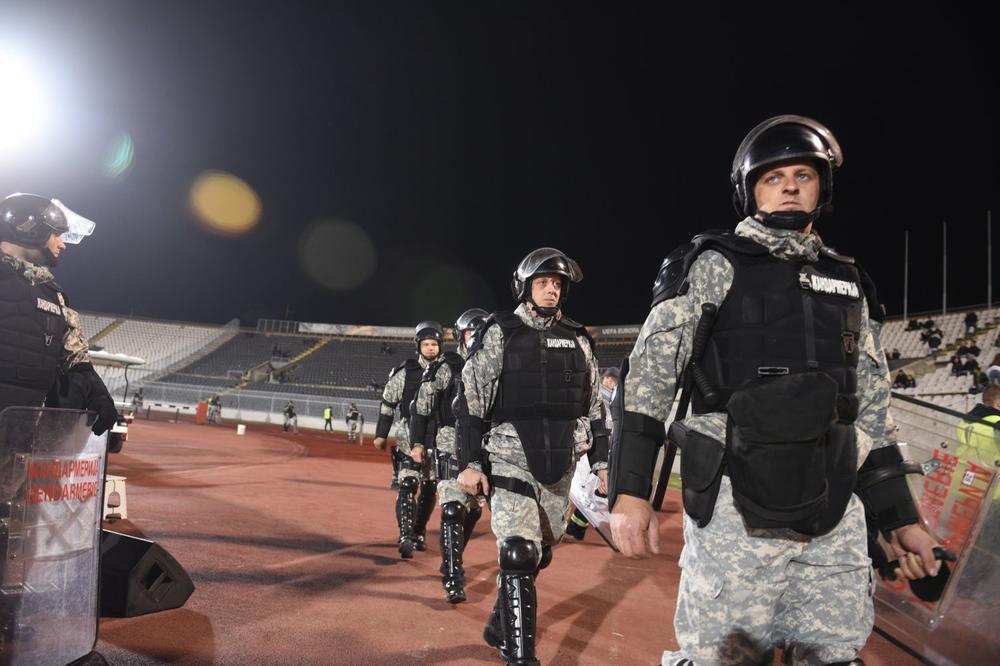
x=139, y=577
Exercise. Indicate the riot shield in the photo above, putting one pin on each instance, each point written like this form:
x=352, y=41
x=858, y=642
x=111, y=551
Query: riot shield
x=51, y=483
x=583, y=493
x=958, y=499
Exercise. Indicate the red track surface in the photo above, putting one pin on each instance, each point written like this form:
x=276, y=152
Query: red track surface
x=291, y=543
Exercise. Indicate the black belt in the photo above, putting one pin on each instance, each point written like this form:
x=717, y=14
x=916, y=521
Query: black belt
x=514, y=485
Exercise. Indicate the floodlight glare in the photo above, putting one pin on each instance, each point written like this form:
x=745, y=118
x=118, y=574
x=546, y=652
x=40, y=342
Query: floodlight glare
x=21, y=103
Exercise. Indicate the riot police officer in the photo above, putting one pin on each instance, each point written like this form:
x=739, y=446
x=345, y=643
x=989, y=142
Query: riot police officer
x=412, y=513
x=44, y=355
x=773, y=337
x=533, y=377
x=460, y=511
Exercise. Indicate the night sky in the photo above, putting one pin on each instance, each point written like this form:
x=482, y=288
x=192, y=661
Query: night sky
x=458, y=136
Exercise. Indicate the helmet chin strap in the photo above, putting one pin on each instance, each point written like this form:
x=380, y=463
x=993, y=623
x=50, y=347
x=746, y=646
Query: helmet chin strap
x=543, y=312
x=793, y=220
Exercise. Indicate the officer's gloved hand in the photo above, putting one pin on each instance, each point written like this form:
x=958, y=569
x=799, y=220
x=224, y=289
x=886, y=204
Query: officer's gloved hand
x=107, y=415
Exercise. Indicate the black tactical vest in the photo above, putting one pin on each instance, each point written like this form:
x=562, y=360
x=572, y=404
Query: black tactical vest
x=32, y=328
x=414, y=373
x=543, y=389
x=780, y=318
x=443, y=411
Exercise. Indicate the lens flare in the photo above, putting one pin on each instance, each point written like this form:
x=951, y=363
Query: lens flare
x=337, y=254
x=224, y=204
x=118, y=156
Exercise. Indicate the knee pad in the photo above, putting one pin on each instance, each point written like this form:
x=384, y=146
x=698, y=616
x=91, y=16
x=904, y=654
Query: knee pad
x=408, y=484
x=453, y=512
x=518, y=555
x=546, y=558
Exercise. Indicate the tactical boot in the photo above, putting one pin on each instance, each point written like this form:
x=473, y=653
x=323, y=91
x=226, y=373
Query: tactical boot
x=452, y=542
x=493, y=632
x=404, y=516
x=520, y=562
x=518, y=619
x=469, y=524
x=425, y=507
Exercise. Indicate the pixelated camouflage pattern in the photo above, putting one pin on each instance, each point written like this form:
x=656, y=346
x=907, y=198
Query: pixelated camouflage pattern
x=742, y=594
x=481, y=378
x=75, y=341
x=515, y=515
x=775, y=586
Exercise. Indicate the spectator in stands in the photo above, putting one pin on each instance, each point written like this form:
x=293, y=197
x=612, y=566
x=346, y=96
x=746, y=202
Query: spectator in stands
x=903, y=380
x=934, y=340
x=993, y=372
x=973, y=347
x=956, y=366
x=328, y=419
x=913, y=325
x=979, y=382
x=291, y=418
x=895, y=355
x=971, y=365
x=971, y=322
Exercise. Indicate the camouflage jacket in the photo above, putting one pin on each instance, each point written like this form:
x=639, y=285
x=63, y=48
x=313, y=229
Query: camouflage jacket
x=663, y=347
x=392, y=394
x=481, y=377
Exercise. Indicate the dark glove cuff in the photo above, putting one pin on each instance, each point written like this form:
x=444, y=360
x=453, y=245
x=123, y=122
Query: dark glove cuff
x=384, y=425
x=418, y=427
x=883, y=489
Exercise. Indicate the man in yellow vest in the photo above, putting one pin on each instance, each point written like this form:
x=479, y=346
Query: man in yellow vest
x=976, y=440
x=328, y=419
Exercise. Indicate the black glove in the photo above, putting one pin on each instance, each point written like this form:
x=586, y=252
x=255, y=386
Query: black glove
x=107, y=415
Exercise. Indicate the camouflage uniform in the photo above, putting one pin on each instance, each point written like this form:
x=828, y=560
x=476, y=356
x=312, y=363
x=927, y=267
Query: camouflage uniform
x=513, y=514
x=391, y=396
x=744, y=591
x=448, y=490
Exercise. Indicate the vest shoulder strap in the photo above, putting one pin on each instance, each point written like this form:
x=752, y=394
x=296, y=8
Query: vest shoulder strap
x=671, y=281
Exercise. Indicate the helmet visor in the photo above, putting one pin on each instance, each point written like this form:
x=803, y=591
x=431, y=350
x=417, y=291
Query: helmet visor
x=79, y=227
x=549, y=260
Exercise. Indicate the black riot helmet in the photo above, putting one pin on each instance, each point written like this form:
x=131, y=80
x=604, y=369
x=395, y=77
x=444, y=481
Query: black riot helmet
x=544, y=261
x=428, y=330
x=29, y=220
x=469, y=320
x=784, y=139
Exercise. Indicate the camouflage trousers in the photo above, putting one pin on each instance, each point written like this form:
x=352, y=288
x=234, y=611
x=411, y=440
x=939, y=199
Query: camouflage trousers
x=448, y=491
x=425, y=471
x=515, y=515
x=743, y=594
